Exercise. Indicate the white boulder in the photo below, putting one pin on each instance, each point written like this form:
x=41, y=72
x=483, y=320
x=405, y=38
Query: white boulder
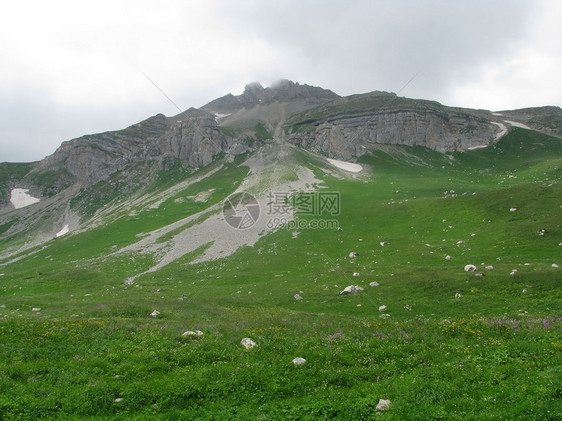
x=374, y=284
x=299, y=361
x=470, y=268
x=353, y=255
x=382, y=308
x=297, y=297
x=448, y=257
x=351, y=289
x=383, y=405
x=155, y=313
x=356, y=274
x=247, y=343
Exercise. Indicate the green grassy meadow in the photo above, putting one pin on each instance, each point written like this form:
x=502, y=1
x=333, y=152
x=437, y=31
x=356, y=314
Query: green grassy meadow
x=449, y=345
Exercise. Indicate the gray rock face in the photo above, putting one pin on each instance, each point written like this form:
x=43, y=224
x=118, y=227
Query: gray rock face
x=344, y=137
x=195, y=139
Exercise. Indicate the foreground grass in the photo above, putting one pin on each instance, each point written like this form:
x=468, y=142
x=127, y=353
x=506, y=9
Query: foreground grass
x=459, y=370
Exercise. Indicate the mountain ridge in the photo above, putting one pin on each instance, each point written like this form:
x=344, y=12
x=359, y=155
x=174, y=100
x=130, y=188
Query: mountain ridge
x=307, y=116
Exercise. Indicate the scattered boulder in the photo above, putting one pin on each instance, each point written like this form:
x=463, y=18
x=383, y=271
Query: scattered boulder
x=155, y=313
x=470, y=268
x=513, y=209
x=382, y=308
x=524, y=291
x=479, y=274
x=353, y=255
x=489, y=267
x=460, y=242
x=356, y=274
x=351, y=289
x=554, y=265
x=383, y=405
x=35, y=309
x=448, y=257
x=247, y=343
x=297, y=297
x=374, y=284
x=299, y=361
x=191, y=333
x=383, y=243
x=458, y=295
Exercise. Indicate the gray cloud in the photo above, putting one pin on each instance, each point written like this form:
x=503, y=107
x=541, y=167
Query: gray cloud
x=68, y=71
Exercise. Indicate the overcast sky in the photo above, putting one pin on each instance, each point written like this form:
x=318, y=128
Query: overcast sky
x=69, y=68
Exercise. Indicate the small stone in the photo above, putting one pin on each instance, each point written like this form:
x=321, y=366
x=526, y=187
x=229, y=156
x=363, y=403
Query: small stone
x=117, y=400
x=448, y=257
x=189, y=333
x=383, y=243
x=356, y=274
x=460, y=242
x=382, y=308
x=489, y=267
x=297, y=297
x=458, y=295
x=513, y=209
x=554, y=265
x=299, y=361
x=374, y=284
x=247, y=343
x=353, y=255
x=524, y=291
x=35, y=309
x=383, y=405
x=155, y=313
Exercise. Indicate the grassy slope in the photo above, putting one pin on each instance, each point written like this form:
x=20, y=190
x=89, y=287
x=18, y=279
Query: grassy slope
x=492, y=352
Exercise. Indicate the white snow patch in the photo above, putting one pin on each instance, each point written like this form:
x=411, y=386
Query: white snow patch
x=20, y=199
x=346, y=166
x=502, y=132
x=517, y=124
x=497, y=114
x=477, y=147
x=63, y=231
x=218, y=116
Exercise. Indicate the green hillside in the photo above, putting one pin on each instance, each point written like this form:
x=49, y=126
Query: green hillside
x=450, y=344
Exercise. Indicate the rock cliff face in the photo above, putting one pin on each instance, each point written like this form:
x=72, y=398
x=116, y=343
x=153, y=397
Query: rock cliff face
x=349, y=127
x=193, y=137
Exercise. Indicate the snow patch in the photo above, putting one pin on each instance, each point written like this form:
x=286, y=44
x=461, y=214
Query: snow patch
x=20, y=199
x=502, y=132
x=517, y=124
x=477, y=147
x=346, y=166
x=218, y=116
x=63, y=231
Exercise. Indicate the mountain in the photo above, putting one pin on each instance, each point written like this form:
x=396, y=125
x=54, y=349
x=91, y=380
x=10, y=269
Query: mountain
x=100, y=167
x=196, y=267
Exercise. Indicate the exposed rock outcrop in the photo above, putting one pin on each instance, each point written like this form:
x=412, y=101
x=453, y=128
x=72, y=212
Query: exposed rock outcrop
x=350, y=126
